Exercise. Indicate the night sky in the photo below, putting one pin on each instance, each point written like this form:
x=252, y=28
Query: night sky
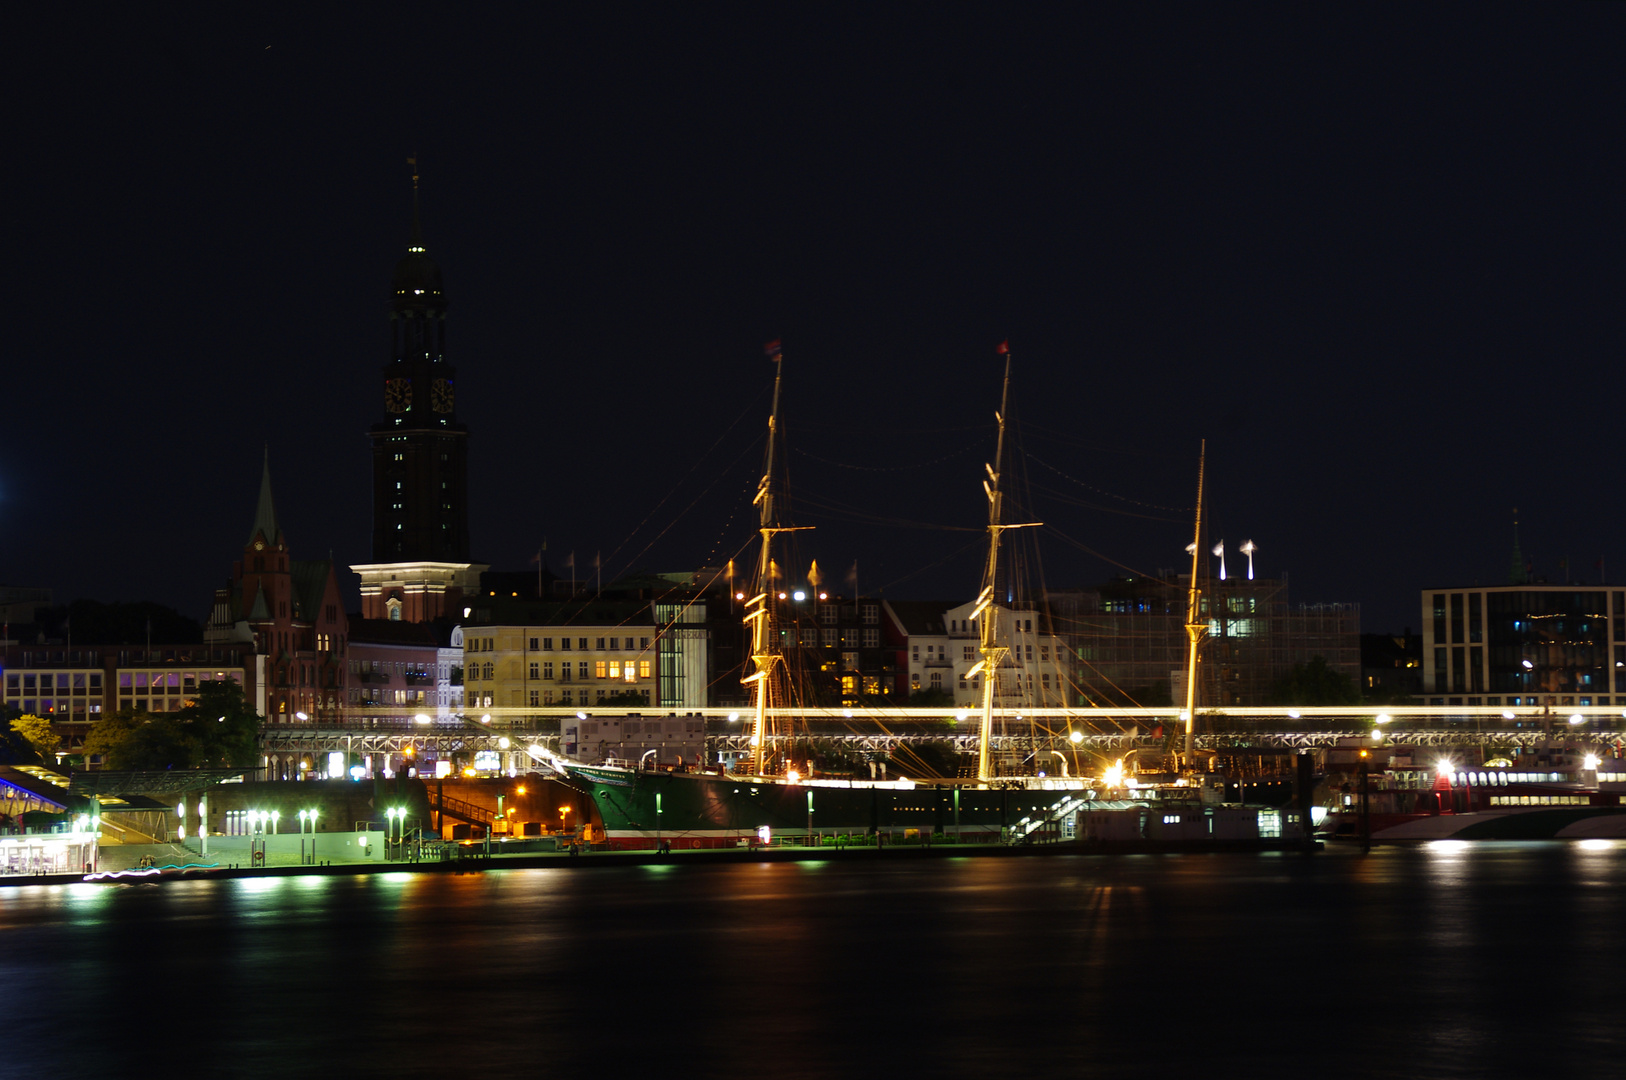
x=1373, y=254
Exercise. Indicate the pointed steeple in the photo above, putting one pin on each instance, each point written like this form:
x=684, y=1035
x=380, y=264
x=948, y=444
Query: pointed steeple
x=416, y=288
x=1517, y=574
x=417, y=229
x=265, y=512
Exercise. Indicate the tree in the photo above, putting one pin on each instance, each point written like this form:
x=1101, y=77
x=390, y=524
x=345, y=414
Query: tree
x=216, y=729
x=1315, y=683
x=931, y=697
x=15, y=748
x=39, y=734
x=221, y=726
x=109, y=735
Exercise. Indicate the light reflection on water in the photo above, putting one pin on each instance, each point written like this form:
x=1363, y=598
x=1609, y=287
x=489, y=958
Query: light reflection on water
x=1269, y=965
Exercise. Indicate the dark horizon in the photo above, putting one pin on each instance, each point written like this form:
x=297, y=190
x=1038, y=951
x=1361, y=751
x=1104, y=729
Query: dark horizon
x=1370, y=255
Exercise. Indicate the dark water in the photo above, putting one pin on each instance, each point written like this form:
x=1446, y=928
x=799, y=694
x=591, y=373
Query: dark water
x=1483, y=960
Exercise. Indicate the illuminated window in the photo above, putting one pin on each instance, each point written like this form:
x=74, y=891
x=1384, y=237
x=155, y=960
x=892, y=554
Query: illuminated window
x=643, y=669
x=615, y=669
x=599, y=668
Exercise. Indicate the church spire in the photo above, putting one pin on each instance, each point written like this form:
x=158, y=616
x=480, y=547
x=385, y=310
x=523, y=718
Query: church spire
x=1517, y=574
x=416, y=244
x=265, y=512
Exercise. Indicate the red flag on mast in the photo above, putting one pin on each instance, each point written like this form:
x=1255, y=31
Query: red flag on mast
x=1004, y=347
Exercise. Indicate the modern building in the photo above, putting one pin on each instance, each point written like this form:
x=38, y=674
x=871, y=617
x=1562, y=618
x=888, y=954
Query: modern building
x=420, y=569
x=1129, y=637
x=1524, y=644
x=76, y=686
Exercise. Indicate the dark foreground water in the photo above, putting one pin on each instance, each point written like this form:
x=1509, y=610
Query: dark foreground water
x=1455, y=960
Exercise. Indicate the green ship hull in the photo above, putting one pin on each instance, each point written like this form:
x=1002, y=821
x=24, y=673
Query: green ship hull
x=645, y=808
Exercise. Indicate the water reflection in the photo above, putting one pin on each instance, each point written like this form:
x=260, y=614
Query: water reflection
x=954, y=967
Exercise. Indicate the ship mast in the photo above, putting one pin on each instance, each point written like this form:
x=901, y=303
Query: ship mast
x=993, y=654
x=1196, y=626
x=762, y=610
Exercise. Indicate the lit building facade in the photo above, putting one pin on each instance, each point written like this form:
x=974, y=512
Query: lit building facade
x=1526, y=644
x=943, y=645
x=1130, y=643
x=74, y=687
x=574, y=656
x=395, y=673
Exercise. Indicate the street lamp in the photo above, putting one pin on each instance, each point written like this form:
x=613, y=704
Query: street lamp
x=310, y=816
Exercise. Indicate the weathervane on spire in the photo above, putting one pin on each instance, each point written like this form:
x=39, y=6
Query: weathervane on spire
x=417, y=230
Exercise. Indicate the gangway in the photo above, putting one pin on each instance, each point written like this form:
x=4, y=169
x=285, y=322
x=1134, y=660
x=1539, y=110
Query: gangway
x=1023, y=831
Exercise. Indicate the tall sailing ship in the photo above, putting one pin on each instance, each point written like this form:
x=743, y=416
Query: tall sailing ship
x=642, y=807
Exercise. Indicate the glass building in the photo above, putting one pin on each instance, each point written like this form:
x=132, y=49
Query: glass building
x=1524, y=644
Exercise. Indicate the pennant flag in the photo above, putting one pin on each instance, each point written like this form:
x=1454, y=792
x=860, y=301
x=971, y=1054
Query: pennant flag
x=1004, y=347
x=772, y=350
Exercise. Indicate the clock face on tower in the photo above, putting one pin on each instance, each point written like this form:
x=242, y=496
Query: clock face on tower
x=398, y=395
x=440, y=395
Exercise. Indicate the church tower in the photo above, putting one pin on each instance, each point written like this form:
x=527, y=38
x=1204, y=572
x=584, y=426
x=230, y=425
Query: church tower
x=420, y=569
